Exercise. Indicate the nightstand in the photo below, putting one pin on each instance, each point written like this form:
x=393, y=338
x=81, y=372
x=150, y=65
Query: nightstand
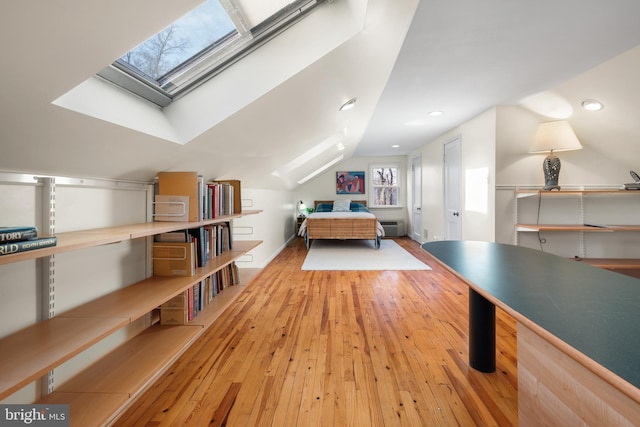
x=299, y=220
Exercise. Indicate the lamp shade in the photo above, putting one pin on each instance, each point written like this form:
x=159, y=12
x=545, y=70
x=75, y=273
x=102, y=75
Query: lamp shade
x=555, y=136
x=302, y=208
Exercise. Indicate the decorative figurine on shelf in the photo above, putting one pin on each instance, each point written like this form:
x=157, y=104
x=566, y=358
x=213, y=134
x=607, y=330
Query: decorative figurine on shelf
x=634, y=185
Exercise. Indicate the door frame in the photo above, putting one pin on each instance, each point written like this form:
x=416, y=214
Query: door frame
x=416, y=199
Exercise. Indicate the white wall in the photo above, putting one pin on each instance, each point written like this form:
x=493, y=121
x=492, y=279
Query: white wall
x=508, y=132
x=323, y=187
x=477, y=138
x=590, y=166
x=516, y=128
x=515, y=167
x=274, y=225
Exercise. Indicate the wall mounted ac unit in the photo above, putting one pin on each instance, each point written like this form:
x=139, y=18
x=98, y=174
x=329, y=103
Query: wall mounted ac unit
x=393, y=228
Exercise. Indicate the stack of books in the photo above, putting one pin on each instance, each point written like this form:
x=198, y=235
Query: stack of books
x=21, y=239
x=186, y=197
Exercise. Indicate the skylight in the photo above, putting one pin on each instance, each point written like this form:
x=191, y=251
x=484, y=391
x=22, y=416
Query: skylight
x=201, y=44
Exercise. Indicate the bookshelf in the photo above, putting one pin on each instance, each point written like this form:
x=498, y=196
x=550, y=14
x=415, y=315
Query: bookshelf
x=586, y=221
x=96, y=398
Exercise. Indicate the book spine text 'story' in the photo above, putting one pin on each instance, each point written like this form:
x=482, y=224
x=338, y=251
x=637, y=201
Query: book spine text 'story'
x=17, y=234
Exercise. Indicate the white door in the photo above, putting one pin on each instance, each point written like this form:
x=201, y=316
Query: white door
x=416, y=209
x=452, y=191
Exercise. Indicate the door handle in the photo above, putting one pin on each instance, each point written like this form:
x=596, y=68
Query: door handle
x=456, y=214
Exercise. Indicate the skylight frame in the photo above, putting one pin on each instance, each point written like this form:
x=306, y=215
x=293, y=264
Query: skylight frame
x=210, y=61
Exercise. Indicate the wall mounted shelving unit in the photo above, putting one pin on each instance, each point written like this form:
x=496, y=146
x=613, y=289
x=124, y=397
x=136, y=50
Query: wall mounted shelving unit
x=99, y=392
x=582, y=212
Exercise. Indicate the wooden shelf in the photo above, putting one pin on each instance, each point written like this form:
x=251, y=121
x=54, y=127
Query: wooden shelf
x=96, y=394
x=139, y=298
x=613, y=263
x=32, y=352
x=576, y=227
x=48, y=344
x=533, y=192
x=133, y=366
x=626, y=266
x=88, y=409
x=75, y=240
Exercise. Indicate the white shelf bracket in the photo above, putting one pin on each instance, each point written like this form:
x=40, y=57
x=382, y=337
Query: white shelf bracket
x=47, y=266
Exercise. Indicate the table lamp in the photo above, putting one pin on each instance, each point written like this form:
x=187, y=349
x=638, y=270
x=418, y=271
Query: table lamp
x=551, y=137
x=302, y=208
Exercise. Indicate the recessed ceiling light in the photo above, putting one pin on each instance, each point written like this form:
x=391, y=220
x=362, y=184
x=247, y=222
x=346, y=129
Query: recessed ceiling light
x=434, y=113
x=395, y=146
x=592, y=105
x=349, y=104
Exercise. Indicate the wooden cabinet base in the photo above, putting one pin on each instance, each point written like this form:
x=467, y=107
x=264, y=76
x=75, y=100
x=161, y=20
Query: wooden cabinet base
x=556, y=390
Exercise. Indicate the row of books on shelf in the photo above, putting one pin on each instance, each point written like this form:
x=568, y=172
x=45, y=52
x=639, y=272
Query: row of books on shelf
x=186, y=196
x=179, y=253
x=21, y=239
x=185, y=307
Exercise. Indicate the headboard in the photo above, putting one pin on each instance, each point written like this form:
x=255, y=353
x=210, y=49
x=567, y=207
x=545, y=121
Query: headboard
x=317, y=202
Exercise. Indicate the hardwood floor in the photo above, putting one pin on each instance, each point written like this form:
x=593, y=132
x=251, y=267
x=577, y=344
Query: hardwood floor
x=337, y=348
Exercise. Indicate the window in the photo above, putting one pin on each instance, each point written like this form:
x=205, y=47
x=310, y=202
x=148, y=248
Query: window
x=201, y=44
x=385, y=190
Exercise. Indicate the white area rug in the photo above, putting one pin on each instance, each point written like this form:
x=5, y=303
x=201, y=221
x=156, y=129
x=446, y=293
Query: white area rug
x=360, y=255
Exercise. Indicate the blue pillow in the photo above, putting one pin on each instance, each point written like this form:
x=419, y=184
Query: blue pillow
x=358, y=207
x=324, y=207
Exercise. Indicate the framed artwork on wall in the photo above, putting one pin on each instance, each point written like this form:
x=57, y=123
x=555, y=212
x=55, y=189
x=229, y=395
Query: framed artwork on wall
x=349, y=182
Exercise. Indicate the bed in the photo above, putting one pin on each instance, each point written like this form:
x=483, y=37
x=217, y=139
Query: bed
x=347, y=219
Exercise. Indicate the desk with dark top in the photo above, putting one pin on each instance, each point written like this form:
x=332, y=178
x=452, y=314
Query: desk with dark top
x=578, y=330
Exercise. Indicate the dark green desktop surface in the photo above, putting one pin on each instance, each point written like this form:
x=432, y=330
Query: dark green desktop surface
x=595, y=311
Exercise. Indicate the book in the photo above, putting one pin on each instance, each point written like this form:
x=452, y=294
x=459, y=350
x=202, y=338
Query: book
x=214, y=193
x=234, y=197
x=225, y=198
x=173, y=312
x=173, y=316
x=27, y=245
x=171, y=208
x=201, y=239
x=173, y=236
x=173, y=259
x=201, y=198
x=190, y=313
x=17, y=234
x=181, y=184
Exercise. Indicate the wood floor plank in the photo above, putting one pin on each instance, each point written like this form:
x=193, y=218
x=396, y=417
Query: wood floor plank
x=337, y=348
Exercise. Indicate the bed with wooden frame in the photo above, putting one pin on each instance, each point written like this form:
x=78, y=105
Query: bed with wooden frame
x=341, y=225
